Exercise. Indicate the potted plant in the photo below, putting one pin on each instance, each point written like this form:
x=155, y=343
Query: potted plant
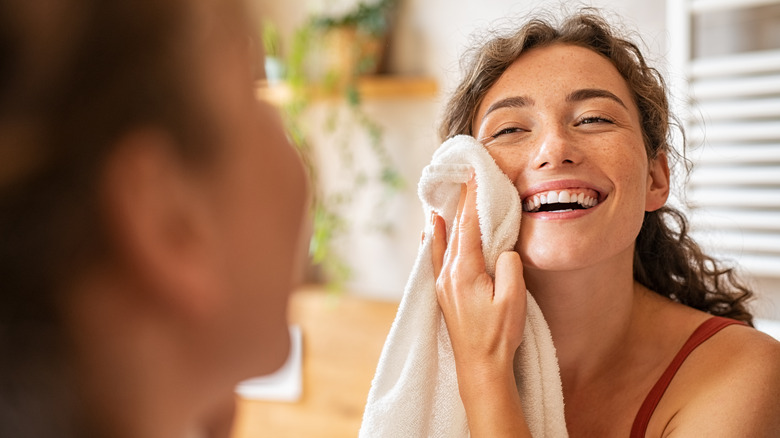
x=356, y=40
x=353, y=44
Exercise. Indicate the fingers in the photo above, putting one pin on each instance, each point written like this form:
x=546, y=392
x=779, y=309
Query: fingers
x=510, y=296
x=438, y=243
x=468, y=235
x=465, y=244
x=456, y=221
x=509, y=275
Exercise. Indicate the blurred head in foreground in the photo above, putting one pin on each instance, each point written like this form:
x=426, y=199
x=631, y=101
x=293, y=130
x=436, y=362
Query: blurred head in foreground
x=150, y=211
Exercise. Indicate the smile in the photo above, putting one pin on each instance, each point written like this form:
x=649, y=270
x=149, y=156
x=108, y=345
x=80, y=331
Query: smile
x=561, y=200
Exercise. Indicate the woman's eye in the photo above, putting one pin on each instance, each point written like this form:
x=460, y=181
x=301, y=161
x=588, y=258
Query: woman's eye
x=506, y=131
x=593, y=120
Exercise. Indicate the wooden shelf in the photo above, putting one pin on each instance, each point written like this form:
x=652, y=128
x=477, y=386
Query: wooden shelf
x=370, y=87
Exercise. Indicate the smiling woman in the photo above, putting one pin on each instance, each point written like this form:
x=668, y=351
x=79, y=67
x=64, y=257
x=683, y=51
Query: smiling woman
x=574, y=134
x=652, y=335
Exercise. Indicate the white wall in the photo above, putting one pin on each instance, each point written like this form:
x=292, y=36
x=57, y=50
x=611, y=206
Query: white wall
x=430, y=37
x=434, y=33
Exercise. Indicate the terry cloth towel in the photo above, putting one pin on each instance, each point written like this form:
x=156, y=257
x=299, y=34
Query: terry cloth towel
x=415, y=390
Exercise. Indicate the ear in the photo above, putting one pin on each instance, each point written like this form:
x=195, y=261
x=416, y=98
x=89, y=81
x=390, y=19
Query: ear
x=159, y=225
x=657, y=183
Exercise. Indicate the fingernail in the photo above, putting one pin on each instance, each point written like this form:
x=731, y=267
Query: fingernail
x=433, y=218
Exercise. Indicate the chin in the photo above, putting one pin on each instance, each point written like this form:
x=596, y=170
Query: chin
x=554, y=258
x=552, y=265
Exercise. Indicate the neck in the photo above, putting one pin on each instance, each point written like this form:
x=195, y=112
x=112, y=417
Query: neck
x=132, y=366
x=590, y=315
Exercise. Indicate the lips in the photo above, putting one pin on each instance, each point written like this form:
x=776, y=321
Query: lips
x=561, y=200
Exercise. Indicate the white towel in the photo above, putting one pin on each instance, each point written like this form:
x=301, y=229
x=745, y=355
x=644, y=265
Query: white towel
x=415, y=390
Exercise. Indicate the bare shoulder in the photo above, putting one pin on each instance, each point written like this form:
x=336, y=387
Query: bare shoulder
x=728, y=386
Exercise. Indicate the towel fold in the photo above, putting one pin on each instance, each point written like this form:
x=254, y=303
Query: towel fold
x=415, y=390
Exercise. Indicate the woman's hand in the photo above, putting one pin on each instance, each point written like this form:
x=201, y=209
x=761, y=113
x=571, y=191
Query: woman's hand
x=485, y=320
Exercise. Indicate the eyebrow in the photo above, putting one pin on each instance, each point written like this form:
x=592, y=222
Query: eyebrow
x=574, y=96
x=593, y=93
x=509, y=102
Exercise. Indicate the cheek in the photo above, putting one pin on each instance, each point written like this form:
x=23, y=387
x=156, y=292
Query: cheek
x=632, y=174
x=263, y=260
x=509, y=160
x=262, y=203
x=631, y=178
x=278, y=200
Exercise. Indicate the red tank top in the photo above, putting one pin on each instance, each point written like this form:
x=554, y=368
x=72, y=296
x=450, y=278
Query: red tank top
x=701, y=334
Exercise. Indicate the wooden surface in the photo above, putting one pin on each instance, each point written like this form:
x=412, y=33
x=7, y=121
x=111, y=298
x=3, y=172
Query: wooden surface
x=370, y=87
x=342, y=338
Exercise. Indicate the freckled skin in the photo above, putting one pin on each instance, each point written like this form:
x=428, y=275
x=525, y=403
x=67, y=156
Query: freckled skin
x=555, y=144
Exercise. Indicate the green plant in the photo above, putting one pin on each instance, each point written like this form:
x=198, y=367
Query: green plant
x=328, y=210
x=272, y=40
x=371, y=18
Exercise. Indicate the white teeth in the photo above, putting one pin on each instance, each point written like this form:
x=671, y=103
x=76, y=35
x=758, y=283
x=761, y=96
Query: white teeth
x=533, y=203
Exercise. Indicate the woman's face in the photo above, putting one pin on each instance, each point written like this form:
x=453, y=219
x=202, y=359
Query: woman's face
x=562, y=124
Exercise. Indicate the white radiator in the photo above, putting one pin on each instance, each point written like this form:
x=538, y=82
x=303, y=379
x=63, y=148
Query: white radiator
x=731, y=105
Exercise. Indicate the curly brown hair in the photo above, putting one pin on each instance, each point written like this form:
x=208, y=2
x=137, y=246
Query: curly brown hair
x=666, y=259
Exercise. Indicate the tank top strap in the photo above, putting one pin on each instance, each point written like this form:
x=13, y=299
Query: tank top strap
x=706, y=330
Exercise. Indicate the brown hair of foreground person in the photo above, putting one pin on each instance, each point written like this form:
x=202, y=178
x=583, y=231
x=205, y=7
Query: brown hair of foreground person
x=150, y=213
x=666, y=259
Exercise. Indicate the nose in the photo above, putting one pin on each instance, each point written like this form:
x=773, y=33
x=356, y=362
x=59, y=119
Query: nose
x=556, y=149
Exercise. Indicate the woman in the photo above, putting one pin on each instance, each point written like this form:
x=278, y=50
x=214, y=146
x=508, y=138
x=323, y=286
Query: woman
x=149, y=213
x=578, y=121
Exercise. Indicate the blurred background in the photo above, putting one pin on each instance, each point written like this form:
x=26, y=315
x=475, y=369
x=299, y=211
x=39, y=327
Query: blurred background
x=364, y=105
